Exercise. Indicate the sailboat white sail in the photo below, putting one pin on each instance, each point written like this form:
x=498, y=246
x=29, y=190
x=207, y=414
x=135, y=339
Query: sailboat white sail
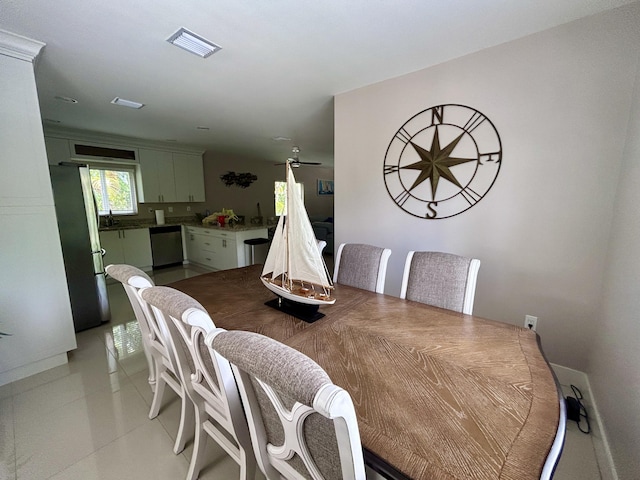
x=294, y=268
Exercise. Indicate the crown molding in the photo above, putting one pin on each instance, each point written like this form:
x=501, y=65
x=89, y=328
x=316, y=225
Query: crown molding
x=19, y=47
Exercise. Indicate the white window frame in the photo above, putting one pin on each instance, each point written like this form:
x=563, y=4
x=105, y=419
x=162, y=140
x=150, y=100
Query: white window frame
x=131, y=171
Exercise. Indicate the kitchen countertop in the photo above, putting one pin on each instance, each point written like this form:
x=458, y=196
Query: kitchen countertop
x=128, y=225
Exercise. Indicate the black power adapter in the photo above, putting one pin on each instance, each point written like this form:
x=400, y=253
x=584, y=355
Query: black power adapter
x=576, y=410
x=573, y=409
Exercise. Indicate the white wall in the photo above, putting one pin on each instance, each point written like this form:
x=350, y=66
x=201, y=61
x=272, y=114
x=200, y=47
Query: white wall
x=560, y=102
x=613, y=365
x=34, y=301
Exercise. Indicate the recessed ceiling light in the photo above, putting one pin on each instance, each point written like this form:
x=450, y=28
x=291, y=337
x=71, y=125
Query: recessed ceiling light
x=65, y=99
x=193, y=43
x=126, y=103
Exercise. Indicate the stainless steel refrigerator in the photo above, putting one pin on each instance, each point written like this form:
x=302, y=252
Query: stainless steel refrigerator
x=78, y=226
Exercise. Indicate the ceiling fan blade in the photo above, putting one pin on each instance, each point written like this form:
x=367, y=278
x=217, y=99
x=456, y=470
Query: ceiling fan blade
x=295, y=162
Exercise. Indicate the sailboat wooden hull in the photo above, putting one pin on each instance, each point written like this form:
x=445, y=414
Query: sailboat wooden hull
x=293, y=297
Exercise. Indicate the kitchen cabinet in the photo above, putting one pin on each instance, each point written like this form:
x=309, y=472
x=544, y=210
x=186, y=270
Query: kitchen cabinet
x=220, y=249
x=189, y=177
x=156, y=183
x=131, y=246
x=170, y=177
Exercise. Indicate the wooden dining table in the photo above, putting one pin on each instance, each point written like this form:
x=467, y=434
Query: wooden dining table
x=438, y=394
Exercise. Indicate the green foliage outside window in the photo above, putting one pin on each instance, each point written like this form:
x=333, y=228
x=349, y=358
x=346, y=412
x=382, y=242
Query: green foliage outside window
x=281, y=196
x=114, y=191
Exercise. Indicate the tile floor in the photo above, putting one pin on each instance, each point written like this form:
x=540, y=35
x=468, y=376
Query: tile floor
x=89, y=419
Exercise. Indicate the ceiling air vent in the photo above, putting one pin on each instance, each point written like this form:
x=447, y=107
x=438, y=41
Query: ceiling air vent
x=102, y=152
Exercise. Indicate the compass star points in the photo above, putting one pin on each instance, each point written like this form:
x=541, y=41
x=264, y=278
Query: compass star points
x=436, y=162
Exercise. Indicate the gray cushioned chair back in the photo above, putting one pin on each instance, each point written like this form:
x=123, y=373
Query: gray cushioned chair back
x=123, y=273
x=174, y=302
x=359, y=266
x=438, y=279
x=293, y=377
x=171, y=301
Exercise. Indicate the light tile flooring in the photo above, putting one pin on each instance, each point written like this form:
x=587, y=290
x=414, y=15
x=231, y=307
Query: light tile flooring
x=89, y=419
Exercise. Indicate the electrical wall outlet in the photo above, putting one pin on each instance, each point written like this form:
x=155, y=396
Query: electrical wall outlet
x=170, y=209
x=150, y=210
x=531, y=322
x=188, y=208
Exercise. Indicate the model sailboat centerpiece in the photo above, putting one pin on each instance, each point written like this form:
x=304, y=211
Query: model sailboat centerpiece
x=294, y=269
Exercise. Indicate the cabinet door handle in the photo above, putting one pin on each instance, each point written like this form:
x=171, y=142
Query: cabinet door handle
x=123, y=234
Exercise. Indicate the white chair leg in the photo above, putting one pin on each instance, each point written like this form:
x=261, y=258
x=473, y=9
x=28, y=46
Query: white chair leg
x=247, y=465
x=157, y=395
x=186, y=423
x=199, y=447
x=152, y=369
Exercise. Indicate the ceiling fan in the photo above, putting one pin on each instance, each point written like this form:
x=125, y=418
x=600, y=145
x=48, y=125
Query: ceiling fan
x=295, y=162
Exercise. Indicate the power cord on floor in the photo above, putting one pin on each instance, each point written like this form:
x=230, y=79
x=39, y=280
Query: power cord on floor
x=576, y=410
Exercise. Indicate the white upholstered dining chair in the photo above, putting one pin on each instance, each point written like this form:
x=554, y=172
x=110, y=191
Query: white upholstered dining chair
x=208, y=380
x=361, y=266
x=440, y=279
x=321, y=245
x=162, y=370
x=301, y=424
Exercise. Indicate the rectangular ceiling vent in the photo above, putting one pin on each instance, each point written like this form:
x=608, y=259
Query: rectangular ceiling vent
x=103, y=152
x=193, y=43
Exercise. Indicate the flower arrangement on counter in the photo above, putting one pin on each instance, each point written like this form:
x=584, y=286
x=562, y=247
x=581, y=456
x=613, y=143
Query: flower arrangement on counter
x=226, y=216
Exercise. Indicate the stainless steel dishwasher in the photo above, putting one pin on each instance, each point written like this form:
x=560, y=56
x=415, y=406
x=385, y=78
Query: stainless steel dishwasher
x=166, y=245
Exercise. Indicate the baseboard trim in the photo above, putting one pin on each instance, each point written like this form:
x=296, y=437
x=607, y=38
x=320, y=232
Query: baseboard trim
x=33, y=368
x=567, y=377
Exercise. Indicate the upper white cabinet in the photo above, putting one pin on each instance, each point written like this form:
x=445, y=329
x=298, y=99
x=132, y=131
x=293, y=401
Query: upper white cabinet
x=170, y=177
x=157, y=180
x=163, y=175
x=189, y=176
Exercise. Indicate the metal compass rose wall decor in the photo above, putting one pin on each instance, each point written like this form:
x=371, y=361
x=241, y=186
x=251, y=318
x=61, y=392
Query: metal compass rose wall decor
x=442, y=161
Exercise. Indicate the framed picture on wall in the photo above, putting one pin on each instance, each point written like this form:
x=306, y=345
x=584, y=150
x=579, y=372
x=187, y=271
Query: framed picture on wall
x=325, y=187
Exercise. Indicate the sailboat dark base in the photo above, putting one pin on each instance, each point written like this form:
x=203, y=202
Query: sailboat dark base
x=305, y=312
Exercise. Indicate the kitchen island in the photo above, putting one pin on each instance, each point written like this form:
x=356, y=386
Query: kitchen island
x=210, y=246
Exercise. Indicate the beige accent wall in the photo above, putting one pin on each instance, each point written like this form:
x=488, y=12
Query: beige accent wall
x=244, y=201
x=551, y=235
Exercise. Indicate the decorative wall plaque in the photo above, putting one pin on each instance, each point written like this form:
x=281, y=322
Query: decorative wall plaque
x=442, y=161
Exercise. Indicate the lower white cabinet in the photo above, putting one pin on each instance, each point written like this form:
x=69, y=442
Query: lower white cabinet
x=128, y=245
x=219, y=249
